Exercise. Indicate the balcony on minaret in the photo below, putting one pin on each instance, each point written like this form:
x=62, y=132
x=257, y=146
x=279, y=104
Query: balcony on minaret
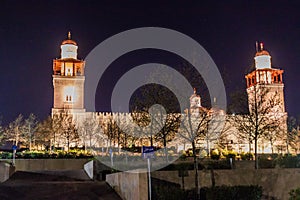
x=68, y=64
x=263, y=73
x=67, y=67
x=264, y=76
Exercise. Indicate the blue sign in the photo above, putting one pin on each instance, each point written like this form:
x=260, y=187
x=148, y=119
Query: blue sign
x=14, y=147
x=148, y=152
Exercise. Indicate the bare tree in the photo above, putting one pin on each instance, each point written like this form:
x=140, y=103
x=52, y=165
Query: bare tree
x=127, y=136
x=14, y=131
x=44, y=133
x=90, y=132
x=218, y=127
x=30, y=126
x=2, y=132
x=69, y=131
x=193, y=128
x=111, y=130
x=64, y=130
x=169, y=128
x=293, y=139
x=264, y=116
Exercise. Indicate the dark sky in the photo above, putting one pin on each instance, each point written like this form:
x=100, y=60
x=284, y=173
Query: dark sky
x=31, y=33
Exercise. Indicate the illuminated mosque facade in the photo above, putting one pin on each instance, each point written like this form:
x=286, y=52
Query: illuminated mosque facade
x=69, y=78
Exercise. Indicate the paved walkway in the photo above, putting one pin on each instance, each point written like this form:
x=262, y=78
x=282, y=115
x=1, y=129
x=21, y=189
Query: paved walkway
x=27, y=185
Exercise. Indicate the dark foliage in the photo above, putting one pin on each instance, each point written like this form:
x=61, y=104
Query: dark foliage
x=252, y=192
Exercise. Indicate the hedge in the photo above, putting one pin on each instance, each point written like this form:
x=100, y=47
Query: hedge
x=252, y=192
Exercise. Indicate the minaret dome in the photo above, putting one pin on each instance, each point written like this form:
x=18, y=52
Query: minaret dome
x=69, y=48
x=262, y=59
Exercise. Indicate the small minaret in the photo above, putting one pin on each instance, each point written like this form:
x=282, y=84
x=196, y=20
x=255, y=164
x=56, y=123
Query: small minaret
x=68, y=79
x=195, y=102
x=265, y=76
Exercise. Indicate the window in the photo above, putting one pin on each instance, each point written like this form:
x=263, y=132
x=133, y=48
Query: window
x=69, y=94
x=68, y=98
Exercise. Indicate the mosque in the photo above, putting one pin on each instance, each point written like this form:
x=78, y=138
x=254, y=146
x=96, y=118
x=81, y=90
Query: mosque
x=69, y=78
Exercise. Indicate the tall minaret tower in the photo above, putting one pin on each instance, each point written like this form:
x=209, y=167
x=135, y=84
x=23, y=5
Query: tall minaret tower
x=68, y=80
x=264, y=76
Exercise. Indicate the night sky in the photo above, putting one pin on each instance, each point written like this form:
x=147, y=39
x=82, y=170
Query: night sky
x=31, y=33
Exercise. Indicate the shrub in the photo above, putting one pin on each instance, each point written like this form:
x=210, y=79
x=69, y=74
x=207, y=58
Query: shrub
x=252, y=192
x=229, y=154
x=183, y=156
x=165, y=190
x=266, y=162
x=247, y=156
x=189, y=152
x=294, y=194
x=181, y=166
x=46, y=154
x=288, y=161
x=6, y=155
x=218, y=164
x=215, y=154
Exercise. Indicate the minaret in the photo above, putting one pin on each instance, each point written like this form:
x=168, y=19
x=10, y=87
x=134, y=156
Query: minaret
x=267, y=77
x=195, y=102
x=68, y=80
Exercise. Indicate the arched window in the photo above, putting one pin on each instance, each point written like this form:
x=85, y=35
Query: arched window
x=68, y=98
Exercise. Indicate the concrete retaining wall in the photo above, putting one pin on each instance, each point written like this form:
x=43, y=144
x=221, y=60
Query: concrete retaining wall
x=49, y=164
x=89, y=169
x=129, y=185
x=275, y=182
x=6, y=170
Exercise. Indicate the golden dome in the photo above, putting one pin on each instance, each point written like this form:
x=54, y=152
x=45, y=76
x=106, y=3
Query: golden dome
x=262, y=53
x=69, y=41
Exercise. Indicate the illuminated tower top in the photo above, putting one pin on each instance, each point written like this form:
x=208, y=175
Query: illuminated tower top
x=263, y=73
x=267, y=77
x=262, y=59
x=69, y=48
x=68, y=64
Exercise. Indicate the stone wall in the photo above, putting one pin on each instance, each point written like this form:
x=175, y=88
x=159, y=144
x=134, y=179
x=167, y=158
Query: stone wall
x=275, y=182
x=49, y=164
x=129, y=185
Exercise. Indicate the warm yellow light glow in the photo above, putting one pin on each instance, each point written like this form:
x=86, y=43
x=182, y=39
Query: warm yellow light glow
x=69, y=69
x=263, y=62
x=68, y=51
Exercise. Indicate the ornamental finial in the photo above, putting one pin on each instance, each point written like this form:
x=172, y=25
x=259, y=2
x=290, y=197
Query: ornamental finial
x=261, y=46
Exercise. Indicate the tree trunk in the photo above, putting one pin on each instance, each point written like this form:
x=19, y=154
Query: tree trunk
x=287, y=144
x=30, y=144
x=255, y=153
x=272, y=147
x=68, y=141
x=249, y=147
x=165, y=148
x=196, y=171
x=30, y=138
x=208, y=147
x=54, y=141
